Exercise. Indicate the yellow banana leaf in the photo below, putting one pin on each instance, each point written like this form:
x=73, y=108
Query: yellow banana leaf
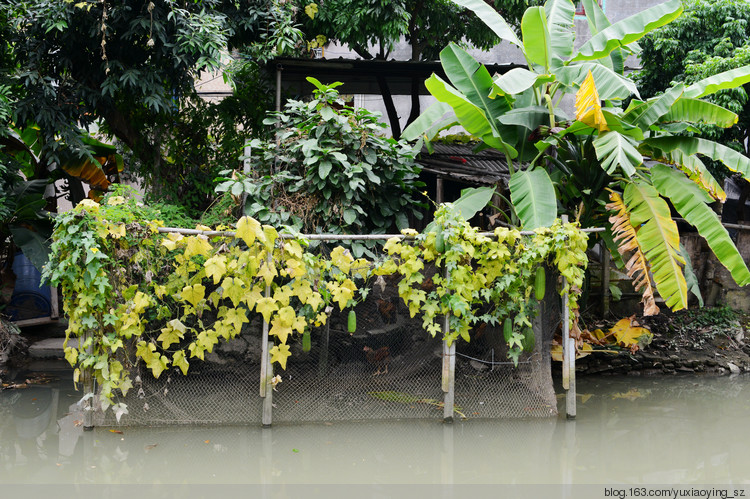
x=588, y=105
x=636, y=266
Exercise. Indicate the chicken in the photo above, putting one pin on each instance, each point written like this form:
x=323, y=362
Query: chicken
x=378, y=358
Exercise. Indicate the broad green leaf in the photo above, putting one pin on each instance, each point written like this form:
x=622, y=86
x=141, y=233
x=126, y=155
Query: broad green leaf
x=690, y=201
x=560, y=14
x=696, y=171
x=595, y=16
x=699, y=111
x=536, y=37
x=472, y=118
x=422, y=125
x=517, y=80
x=692, y=145
x=471, y=201
x=690, y=278
x=728, y=79
x=473, y=81
x=616, y=150
x=533, y=197
x=659, y=240
x=610, y=85
x=629, y=30
x=531, y=117
x=492, y=19
x=650, y=111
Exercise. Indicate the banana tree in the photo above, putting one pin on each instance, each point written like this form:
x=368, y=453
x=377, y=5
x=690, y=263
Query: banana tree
x=638, y=156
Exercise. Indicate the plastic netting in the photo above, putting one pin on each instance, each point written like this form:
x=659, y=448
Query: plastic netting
x=389, y=368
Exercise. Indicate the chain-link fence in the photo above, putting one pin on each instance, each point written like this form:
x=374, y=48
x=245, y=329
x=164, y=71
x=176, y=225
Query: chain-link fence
x=389, y=368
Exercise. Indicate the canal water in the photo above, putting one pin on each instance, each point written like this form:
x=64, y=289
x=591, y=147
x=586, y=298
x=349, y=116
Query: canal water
x=629, y=431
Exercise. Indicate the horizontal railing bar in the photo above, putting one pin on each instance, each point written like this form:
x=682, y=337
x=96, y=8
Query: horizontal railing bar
x=328, y=237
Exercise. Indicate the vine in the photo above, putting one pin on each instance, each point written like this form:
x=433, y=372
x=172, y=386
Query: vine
x=134, y=295
x=488, y=279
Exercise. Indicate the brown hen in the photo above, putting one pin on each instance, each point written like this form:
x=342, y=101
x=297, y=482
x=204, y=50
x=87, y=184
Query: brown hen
x=378, y=358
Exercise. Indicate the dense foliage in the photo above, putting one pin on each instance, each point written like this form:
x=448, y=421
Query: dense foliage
x=709, y=38
x=606, y=145
x=134, y=295
x=329, y=169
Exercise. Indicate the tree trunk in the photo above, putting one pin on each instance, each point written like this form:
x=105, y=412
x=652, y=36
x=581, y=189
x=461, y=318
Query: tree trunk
x=390, y=107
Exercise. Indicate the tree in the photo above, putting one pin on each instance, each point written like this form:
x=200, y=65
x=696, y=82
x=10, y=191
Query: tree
x=125, y=66
x=516, y=114
x=371, y=28
x=709, y=38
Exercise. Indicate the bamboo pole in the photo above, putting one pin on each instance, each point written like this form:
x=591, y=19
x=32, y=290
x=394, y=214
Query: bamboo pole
x=605, y=279
x=328, y=237
x=88, y=386
x=449, y=369
x=569, y=354
x=266, y=367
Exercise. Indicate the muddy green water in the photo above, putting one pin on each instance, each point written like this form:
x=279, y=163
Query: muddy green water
x=628, y=431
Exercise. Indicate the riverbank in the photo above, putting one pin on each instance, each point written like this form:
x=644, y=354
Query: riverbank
x=703, y=341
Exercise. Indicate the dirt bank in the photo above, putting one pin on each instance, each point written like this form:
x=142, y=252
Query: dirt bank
x=705, y=341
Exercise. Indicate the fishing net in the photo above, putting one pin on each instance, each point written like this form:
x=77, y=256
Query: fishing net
x=389, y=368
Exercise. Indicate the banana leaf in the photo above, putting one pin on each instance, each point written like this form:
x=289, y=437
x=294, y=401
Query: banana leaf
x=659, y=240
x=536, y=38
x=629, y=30
x=699, y=111
x=616, y=150
x=728, y=79
x=533, y=197
x=560, y=15
x=690, y=201
x=492, y=19
x=692, y=145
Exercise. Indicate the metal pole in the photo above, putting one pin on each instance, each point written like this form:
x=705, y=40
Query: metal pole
x=569, y=354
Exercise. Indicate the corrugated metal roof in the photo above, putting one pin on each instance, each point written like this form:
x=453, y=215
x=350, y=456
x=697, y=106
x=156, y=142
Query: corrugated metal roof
x=460, y=162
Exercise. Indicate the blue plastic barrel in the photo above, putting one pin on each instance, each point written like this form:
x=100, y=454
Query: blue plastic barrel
x=30, y=299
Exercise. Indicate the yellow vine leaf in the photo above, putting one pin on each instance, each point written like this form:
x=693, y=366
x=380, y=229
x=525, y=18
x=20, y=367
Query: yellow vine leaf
x=216, y=267
x=266, y=307
x=342, y=259
x=270, y=234
x=140, y=302
x=280, y=329
x=193, y=294
x=311, y=9
x=172, y=240
x=342, y=293
x=252, y=296
x=249, y=229
x=637, y=266
x=268, y=272
x=171, y=334
x=314, y=300
x=286, y=316
x=588, y=105
x=179, y=360
x=321, y=319
x=282, y=295
x=207, y=339
x=280, y=353
x=197, y=245
x=232, y=289
x=236, y=317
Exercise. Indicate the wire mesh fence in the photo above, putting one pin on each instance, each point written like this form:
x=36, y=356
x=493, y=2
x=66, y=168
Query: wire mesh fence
x=389, y=368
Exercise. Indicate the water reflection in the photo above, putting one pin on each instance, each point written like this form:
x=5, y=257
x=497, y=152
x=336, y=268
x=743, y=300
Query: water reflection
x=630, y=430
